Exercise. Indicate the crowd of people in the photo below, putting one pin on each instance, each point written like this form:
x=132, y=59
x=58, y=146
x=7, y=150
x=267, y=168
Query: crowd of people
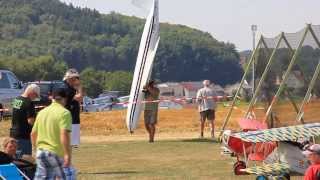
x=51, y=133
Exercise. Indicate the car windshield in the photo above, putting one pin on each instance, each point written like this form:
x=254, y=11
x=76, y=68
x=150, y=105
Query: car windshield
x=58, y=84
x=4, y=81
x=44, y=89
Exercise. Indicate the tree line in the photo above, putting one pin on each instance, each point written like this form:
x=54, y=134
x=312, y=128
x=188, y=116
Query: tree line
x=87, y=40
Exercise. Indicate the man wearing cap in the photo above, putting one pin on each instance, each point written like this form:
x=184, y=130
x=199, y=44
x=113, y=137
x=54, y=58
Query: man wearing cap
x=51, y=137
x=313, y=155
x=151, y=93
x=72, y=86
x=207, y=107
x=23, y=116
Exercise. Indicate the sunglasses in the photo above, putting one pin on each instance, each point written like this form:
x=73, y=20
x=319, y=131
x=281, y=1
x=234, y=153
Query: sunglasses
x=307, y=148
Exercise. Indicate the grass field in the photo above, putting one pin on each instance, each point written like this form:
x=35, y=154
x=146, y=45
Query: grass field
x=186, y=159
x=180, y=159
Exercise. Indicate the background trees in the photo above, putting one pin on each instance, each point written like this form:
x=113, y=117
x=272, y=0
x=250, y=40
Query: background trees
x=39, y=33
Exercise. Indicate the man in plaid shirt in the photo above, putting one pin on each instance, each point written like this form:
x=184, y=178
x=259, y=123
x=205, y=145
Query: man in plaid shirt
x=51, y=136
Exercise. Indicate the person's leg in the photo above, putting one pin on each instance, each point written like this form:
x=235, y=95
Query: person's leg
x=211, y=117
x=42, y=165
x=152, y=132
x=202, y=123
x=75, y=135
x=147, y=127
x=147, y=121
x=24, y=147
x=152, y=125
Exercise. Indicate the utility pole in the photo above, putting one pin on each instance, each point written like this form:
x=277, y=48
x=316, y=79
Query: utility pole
x=254, y=29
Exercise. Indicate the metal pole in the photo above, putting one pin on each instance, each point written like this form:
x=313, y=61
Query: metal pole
x=312, y=83
x=239, y=89
x=254, y=30
x=286, y=75
x=306, y=97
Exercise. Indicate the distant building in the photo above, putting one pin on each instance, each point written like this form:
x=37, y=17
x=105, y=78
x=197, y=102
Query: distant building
x=185, y=89
x=230, y=90
x=190, y=89
x=171, y=89
x=295, y=80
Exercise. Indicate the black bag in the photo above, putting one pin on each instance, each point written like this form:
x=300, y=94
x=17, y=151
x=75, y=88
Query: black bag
x=5, y=158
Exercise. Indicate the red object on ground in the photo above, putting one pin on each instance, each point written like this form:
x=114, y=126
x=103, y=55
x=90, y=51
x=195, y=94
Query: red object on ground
x=254, y=151
x=251, y=124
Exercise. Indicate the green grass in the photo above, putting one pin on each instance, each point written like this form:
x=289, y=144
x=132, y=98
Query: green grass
x=185, y=159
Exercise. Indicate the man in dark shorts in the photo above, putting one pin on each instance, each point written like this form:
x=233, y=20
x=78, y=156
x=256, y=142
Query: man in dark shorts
x=23, y=116
x=72, y=86
x=207, y=107
x=151, y=109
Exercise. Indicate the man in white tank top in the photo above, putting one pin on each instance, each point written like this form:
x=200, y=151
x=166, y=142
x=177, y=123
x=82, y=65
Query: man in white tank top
x=207, y=105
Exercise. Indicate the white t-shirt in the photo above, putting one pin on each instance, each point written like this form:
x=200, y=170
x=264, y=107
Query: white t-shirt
x=205, y=99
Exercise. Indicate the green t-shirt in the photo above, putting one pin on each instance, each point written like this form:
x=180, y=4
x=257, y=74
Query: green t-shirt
x=152, y=106
x=48, y=125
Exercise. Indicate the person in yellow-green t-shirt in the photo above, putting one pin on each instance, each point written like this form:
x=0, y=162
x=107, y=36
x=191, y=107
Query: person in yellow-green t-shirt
x=51, y=137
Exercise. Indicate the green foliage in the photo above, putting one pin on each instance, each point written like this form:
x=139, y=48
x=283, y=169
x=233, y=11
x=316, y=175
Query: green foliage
x=119, y=81
x=38, y=68
x=84, y=38
x=92, y=81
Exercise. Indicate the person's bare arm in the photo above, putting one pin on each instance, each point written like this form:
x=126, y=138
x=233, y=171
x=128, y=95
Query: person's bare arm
x=65, y=140
x=79, y=96
x=199, y=97
x=31, y=120
x=154, y=91
x=34, y=136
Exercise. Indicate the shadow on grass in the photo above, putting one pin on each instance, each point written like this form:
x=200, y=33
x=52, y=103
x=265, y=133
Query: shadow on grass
x=109, y=173
x=201, y=140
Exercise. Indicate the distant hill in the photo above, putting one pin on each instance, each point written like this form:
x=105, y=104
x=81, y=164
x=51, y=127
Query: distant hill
x=84, y=38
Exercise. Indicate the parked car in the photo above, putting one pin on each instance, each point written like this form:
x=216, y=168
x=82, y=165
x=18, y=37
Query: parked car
x=46, y=89
x=170, y=105
x=98, y=104
x=10, y=87
x=122, y=103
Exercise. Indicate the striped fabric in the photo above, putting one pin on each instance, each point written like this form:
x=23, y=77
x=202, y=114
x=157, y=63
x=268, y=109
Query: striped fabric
x=290, y=133
x=269, y=169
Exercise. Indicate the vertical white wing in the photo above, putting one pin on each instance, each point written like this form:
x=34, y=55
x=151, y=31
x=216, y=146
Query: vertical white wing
x=143, y=4
x=147, y=51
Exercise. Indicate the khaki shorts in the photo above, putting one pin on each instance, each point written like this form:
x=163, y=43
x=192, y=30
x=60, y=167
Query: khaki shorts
x=207, y=115
x=150, y=117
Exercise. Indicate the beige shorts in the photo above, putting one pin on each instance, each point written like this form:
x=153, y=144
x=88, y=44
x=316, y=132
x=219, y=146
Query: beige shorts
x=150, y=117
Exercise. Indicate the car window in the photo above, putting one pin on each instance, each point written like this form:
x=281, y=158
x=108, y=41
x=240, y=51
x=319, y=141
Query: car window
x=44, y=89
x=58, y=85
x=14, y=81
x=4, y=81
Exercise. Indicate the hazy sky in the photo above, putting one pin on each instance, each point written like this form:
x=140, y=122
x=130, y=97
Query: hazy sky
x=226, y=20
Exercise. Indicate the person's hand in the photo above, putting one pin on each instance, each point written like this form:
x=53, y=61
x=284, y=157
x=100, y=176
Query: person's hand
x=66, y=161
x=78, y=97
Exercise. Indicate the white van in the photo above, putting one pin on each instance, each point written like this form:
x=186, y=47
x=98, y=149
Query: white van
x=10, y=87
